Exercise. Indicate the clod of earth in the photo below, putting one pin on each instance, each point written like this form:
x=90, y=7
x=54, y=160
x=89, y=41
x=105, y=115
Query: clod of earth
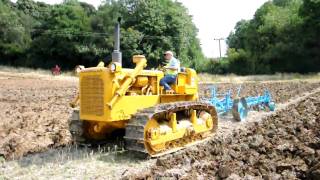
x=34, y=117
x=285, y=145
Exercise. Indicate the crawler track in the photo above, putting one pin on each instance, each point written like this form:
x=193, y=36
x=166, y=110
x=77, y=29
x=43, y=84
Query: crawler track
x=135, y=130
x=76, y=128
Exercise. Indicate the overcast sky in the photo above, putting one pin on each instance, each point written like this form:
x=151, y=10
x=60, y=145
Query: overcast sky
x=217, y=18
x=213, y=18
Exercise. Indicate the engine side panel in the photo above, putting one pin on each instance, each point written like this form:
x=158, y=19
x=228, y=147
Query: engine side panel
x=99, y=85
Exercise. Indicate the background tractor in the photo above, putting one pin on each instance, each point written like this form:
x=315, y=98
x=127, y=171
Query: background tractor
x=115, y=100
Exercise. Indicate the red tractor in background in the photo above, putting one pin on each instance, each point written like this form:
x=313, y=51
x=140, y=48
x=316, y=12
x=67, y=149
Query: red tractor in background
x=56, y=70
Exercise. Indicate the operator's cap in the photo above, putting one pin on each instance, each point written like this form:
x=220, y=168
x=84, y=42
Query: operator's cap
x=168, y=52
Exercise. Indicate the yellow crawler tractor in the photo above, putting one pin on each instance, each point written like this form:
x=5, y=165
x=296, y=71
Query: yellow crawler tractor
x=113, y=98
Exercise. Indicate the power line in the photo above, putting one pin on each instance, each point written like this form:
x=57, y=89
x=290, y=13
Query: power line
x=219, y=39
x=88, y=33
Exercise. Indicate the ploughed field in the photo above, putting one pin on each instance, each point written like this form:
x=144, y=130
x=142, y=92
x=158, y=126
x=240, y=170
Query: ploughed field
x=284, y=145
x=34, y=114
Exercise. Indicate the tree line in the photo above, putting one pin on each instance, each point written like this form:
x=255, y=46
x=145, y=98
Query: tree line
x=35, y=34
x=283, y=36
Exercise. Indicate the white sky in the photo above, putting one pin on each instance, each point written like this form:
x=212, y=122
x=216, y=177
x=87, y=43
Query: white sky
x=217, y=18
x=213, y=18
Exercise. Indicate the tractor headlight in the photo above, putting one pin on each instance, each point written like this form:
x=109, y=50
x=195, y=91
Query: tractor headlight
x=115, y=67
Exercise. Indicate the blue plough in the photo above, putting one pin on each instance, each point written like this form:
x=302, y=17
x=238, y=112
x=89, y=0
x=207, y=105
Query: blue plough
x=239, y=106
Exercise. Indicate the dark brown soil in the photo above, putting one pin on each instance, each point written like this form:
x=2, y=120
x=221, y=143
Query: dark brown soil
x=33, y=114
x=281, y=91
x=35, y=111
x=285, y=145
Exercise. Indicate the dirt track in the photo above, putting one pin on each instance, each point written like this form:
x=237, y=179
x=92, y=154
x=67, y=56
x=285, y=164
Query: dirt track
x=34, y=114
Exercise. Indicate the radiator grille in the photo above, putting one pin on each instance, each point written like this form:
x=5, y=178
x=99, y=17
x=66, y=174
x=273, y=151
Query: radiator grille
x=92, y=96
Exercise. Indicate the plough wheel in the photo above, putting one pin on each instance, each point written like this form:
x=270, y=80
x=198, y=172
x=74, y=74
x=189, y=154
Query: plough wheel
x=271, y=106
x=240, y=109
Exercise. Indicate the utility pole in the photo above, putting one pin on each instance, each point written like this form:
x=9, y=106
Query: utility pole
x=219, y=39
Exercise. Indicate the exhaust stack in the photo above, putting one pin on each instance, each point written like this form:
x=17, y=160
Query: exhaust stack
x=116, y=54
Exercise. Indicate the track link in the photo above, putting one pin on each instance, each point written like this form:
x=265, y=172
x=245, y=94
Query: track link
x=76, y=128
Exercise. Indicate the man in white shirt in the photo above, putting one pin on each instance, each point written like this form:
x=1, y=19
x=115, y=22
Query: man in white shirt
x=171, y=71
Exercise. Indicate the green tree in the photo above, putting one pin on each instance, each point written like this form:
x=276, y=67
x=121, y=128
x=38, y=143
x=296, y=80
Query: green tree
x=64, y=39
x=310, y=34
x=14, y=36
x=74, y=32
x=276, y=39
x=163, y=25
x=149, y=28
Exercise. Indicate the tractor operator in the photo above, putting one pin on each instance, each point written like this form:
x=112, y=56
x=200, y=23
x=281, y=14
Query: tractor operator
x=171, y=71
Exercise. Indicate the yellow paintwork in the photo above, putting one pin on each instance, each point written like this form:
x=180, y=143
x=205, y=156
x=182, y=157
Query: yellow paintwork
x=173, y=122
x=118, y=95
x=177, y=135
x=193, y=117
x=156, y=141
x=109, y=96
x=98, y=130
x=141, y=63
x=129, y=105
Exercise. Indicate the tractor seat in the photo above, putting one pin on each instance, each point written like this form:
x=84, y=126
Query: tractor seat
x=178, y=86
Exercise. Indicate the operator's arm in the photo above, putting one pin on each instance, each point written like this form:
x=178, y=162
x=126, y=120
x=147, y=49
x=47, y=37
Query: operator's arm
x=172, y=68
x=173, y=65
